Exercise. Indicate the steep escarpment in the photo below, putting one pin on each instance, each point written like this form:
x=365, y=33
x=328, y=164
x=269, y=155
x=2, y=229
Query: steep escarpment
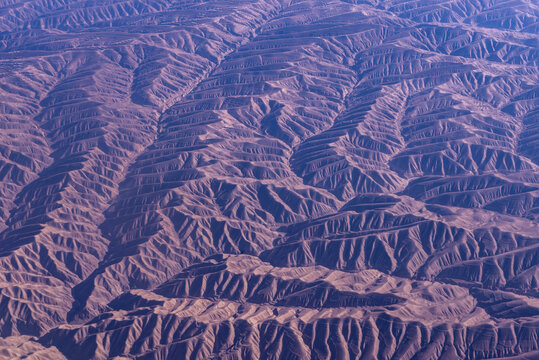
x=270, y=178
x=238, y=306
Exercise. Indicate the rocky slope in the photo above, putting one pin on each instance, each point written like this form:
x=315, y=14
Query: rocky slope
x=281, y=179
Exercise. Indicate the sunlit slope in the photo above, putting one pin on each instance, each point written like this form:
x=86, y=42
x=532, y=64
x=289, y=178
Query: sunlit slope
x=281, y=179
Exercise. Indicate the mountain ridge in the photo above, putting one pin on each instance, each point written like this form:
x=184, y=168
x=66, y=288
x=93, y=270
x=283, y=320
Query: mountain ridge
x=272, y=178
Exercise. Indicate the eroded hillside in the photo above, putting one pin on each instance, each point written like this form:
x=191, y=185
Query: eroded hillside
x=272, y=179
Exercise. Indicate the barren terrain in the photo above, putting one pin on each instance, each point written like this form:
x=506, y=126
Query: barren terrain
x=274, y=179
